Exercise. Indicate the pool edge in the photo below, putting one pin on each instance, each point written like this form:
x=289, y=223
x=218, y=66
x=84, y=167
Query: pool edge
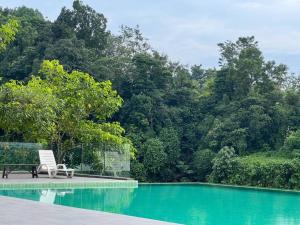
x=225, y=186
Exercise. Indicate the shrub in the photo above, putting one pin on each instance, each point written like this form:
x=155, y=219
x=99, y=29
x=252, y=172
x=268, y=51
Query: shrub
x=292, y=142
x=202, y=164
x=223, y=165
x=265, y=172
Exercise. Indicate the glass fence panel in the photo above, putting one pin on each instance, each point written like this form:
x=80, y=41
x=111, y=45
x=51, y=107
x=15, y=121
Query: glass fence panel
x=93, y=159
x=19, y=153
x=99, y=159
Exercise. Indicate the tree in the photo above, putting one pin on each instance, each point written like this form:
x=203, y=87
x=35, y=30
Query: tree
x=25, y=53
x=83, y=22
x=127, y=43
x=7, y=33
x=154, y=156
x=138, y=112
x=72, y=53
x=117, y=64
x=62, y=108
x=244, y=70
x=170, y=139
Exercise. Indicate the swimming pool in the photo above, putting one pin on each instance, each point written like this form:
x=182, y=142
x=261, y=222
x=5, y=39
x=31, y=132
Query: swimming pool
x=189, y=204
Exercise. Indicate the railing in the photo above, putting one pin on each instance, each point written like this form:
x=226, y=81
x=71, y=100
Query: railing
x=18, y=152
x=93, y=159
x=99, y=159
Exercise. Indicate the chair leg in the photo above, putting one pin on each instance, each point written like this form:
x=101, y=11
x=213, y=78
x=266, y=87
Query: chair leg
x=70, y=174
x=49, y=173
x=4, y=172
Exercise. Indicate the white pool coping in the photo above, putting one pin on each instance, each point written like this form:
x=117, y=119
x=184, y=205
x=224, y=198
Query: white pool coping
x=24, y=181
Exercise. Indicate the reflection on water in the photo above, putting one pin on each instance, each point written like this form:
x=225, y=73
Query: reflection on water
x=187, y=204
x=104, y=199
x=49, y=195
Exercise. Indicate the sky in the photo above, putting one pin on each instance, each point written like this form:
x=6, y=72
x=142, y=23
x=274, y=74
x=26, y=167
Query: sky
x=188, y=31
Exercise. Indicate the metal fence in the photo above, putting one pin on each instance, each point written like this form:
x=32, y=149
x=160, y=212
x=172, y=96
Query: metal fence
x=93, y=159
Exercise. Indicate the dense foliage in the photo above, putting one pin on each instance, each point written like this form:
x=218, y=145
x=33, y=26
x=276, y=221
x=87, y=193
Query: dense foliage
x=7, y=33
x=179, y=118
x=56, y=107
x=263, y=171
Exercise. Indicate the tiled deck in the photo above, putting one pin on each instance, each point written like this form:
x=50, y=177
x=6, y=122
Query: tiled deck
x=19, y=211
x=24, y=181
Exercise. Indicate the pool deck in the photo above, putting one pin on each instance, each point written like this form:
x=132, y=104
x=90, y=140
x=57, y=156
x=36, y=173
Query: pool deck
x=24, y=181
x=20, y=211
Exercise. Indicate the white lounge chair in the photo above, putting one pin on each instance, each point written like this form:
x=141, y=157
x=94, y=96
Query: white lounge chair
x=48, y=164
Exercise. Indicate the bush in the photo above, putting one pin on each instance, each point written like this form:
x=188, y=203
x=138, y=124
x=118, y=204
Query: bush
x=137, y=171
x=265, y=172
x=223, y=165
x=292, y=142
x=202, y=164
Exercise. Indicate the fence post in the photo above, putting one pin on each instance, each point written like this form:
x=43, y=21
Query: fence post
x=81, y=157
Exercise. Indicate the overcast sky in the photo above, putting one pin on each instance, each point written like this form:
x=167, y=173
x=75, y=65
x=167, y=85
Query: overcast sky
x=189, y=30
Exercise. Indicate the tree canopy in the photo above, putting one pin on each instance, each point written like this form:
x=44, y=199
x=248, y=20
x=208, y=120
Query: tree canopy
x=7, y=33
x=60, y=107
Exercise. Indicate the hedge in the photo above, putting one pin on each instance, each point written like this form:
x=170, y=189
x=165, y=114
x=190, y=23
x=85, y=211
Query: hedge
x=265, y=172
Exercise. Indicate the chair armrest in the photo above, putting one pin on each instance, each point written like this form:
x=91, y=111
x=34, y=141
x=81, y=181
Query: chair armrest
x=61, y=166
x=44, y=165
x=40, y=167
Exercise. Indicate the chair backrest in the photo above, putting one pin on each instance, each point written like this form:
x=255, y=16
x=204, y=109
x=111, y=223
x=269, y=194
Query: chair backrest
x=47, y=158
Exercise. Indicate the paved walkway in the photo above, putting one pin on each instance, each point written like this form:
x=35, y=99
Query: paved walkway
x=25, y=212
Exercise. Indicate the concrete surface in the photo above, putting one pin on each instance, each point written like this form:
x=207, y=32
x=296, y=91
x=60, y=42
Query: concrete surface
x=25, y=212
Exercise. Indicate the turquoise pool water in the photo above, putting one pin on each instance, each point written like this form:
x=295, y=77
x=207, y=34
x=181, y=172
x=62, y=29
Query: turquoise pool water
x=185, y=204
